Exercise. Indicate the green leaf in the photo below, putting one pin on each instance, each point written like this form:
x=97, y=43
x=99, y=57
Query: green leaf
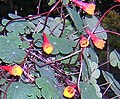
x=72, y=59
x=16, y=26
x=12, y=39
x=12, y=55
x=48, y=72
x=61, y=45
x=24, y=45
x=115, y=59
x=97, y=88
x=49, y=90
x=88, y=91
x=1, y=28
x=91, y=21
x=51, y=24
x=2, y=81
x=96, y=73
x=51, y=2
x=76, y=19
x=5, y=21
x=115, y=86
x=18, y=90
x=10, y=51
x=13, y=16
x=89, y=53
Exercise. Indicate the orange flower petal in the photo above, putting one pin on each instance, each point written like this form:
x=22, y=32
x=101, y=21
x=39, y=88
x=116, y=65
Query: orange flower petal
x=99, y=43
x=47, y=46
x=69, y=92
x=87, y=7
x=84, y=42
x=90, y=7
x=16, y=71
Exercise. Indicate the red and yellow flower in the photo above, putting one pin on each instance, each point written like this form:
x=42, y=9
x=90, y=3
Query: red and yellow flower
x=87, y=7
x=69, y=91
x=13, y=70
x=99, y=43
x=84, y=42
x=47, y=46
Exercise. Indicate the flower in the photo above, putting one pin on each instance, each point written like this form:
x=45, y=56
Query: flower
x=99, y=43
x=69, y=91
x=118, y=0
x=84, y=42
x=13, y=70
x=47, y=46
x=87, y=7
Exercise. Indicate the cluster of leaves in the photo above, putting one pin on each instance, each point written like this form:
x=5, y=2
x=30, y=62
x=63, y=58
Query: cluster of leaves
x=45, y=76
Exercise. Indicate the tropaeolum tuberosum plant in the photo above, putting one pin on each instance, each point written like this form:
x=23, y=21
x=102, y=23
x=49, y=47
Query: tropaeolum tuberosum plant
x=51, y=58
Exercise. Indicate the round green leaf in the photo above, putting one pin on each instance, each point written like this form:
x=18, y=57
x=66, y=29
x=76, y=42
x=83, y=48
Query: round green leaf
x=9, y=50
x=88, y=91
x=96, y=73
x=49, y=90
x=115, y=59
x=12, y=55
x=19, y=90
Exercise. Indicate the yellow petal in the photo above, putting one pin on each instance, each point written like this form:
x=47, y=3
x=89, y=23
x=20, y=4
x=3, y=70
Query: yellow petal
x=16, y=71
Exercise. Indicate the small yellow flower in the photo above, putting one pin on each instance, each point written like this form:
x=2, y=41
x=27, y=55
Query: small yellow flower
x=16, y=70
x=84, y=42
x=69, y=92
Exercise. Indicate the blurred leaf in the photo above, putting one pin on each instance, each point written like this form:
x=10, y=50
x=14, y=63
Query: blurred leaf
x=65, y=2
x=88, y=91
x=115, y=86
x=1, y=28
x=76, y=19
x=51, y=2
x=2, y=81
x=13, y=16
x=115, y=59
x=5, y=21
x=91, y=21
x=18, y=90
